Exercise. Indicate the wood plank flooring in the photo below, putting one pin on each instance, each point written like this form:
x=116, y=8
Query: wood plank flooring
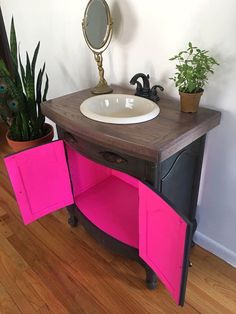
x=48, y=267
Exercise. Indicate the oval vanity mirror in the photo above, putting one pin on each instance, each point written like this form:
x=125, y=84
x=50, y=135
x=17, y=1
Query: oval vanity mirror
x=97, y=29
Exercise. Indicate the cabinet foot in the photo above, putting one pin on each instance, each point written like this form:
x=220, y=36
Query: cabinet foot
x=73, y=219
x=151, y=279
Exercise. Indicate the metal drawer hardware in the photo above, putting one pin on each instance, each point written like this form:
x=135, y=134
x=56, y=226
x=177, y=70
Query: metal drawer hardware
x=112, y=157
x=70, y=137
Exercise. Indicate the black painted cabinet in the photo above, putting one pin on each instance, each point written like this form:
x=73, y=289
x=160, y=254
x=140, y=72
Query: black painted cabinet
x=178, y=178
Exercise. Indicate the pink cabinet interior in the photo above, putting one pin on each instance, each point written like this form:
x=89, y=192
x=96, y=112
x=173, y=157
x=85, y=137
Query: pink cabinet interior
x=108, y=198
x=115, y=202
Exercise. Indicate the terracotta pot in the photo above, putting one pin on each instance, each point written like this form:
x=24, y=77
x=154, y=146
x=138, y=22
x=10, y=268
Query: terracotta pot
x=21, y=145
x=190, y=102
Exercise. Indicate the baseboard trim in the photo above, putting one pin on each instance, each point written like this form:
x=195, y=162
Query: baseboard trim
x=216, y=248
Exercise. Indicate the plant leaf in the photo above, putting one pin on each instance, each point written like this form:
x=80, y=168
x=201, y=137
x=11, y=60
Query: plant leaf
x=35, y=58
x=22, y=72
x=30, y=93
x=45, y=89
x=13, y=43
x=39, y=85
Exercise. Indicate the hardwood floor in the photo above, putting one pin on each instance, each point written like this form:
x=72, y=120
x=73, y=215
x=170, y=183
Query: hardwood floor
x=48, y=267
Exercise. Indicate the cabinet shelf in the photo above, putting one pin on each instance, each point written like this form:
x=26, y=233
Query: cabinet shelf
x=112, y=205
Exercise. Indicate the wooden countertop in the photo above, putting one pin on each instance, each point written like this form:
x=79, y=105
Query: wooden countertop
x=154, y=140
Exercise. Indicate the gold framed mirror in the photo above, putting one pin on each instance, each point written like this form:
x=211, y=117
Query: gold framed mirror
x=97, y=29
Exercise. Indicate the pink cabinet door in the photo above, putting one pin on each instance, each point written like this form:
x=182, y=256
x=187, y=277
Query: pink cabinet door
x=40, y=180
x=164, y=241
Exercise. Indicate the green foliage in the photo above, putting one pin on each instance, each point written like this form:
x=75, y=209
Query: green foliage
x=21, y=94
x=193, y=67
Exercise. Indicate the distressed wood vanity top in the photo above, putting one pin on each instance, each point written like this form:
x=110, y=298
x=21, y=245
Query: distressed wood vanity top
x=154, y=140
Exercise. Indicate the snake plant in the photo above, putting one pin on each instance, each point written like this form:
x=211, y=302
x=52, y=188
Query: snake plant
x=21, y=94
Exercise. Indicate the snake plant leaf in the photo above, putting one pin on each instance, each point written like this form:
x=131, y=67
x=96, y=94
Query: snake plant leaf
x=46, y=89
x=15, y=77
x=25, y=126
x=17, y=80
x=41, y=120
x=13, y=43
x=35, y=59
x=28, y=77
x=43, y=69
x=39, y=85
x=29, y=80
x=19, y=129
x=3, y=69
x=22, y=72
x=29, y=90
x=13, y=48
x=18, y=126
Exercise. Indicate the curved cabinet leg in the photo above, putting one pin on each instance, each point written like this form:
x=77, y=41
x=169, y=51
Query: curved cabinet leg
x=151, y=278
x=73, y=219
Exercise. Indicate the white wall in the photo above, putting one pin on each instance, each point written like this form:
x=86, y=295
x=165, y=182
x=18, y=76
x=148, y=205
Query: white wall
x=146, y=35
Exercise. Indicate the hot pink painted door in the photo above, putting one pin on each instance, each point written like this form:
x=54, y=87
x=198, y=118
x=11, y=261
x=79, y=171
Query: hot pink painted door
x=40, y=180
x=164, y=241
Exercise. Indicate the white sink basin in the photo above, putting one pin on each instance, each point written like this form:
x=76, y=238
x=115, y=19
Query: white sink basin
x=119, y=109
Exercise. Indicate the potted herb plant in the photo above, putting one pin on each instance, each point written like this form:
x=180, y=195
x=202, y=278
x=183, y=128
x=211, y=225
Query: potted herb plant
x=20, y=98
x=191, y=76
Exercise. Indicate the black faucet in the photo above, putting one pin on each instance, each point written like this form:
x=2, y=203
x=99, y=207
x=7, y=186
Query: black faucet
x=144, y=90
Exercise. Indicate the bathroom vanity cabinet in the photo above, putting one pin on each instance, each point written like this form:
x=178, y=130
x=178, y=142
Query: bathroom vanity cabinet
x=133, y=187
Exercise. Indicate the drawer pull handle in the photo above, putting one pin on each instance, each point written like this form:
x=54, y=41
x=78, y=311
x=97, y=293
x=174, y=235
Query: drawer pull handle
x=69, y=137
x=112, y=157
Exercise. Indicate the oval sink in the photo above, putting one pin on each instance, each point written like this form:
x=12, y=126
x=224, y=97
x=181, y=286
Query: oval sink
x=119, y=109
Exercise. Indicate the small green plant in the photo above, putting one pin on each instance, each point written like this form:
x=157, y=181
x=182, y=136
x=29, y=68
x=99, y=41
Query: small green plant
x=193, y=67
x=21, y=95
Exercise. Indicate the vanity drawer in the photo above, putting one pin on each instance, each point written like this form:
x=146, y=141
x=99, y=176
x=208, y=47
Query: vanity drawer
x=136, y=167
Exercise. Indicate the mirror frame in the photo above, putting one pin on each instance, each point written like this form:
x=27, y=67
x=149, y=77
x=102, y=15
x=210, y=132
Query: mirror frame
x=108, y=36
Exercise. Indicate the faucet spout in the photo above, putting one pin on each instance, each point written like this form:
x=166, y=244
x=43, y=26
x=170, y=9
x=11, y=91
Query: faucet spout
x=145, y=78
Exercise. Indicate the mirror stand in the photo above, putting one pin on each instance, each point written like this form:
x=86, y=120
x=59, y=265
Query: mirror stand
x=102, y=87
